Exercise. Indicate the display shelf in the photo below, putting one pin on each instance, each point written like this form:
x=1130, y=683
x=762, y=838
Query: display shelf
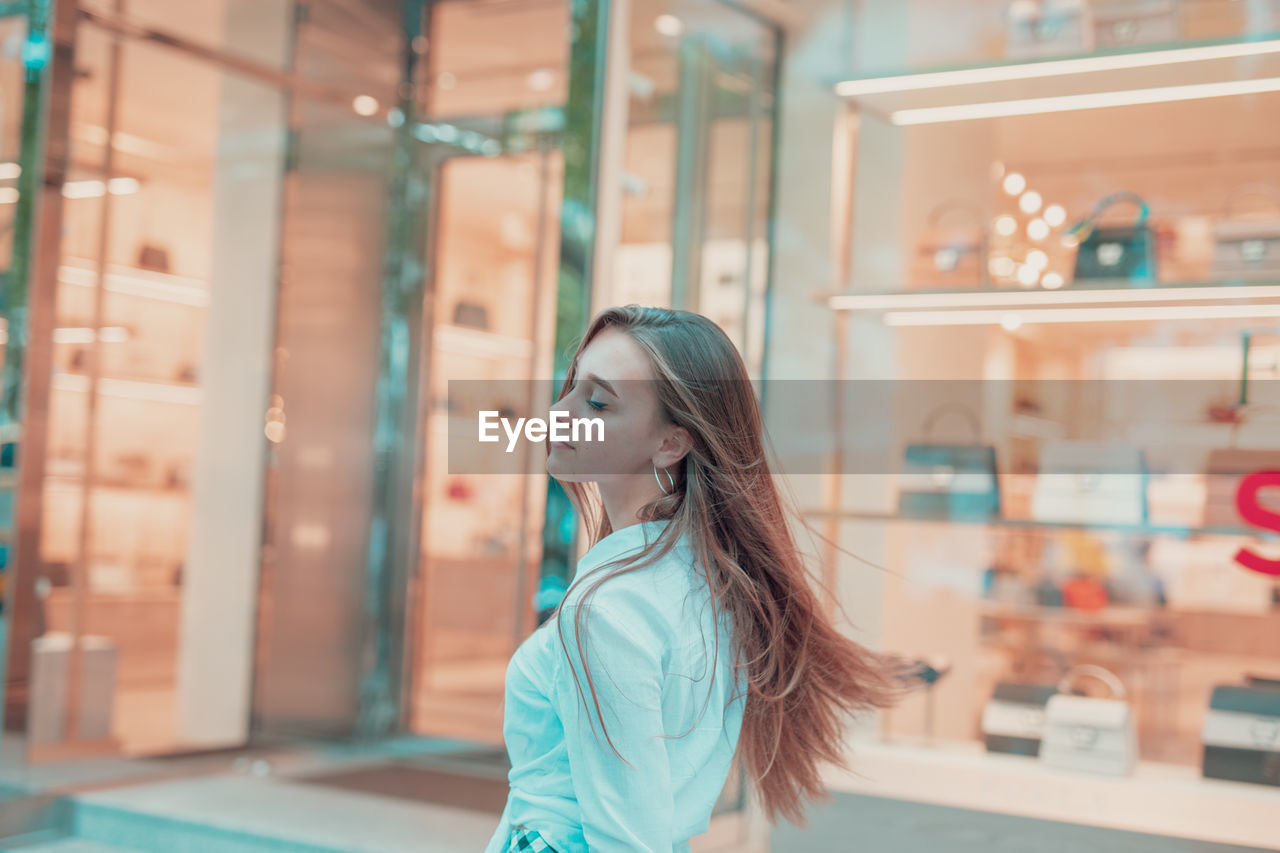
x=1096, y=293
x=132, y=281
x=1174, y=530
x=1177, y=71
x=154, y=390
x=116, y=485
x=1113, y=615
x=1161, y=799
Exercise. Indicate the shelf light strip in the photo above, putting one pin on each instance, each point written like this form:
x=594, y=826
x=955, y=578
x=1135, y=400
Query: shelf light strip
x=1052, y=68
x=1079, y=315
x=1090, y=101
x=896, y=301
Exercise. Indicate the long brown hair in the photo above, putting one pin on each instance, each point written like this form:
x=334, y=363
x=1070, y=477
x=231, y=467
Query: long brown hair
x=802, y=675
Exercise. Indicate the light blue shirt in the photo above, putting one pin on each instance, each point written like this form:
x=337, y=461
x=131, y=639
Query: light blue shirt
x=651, y=650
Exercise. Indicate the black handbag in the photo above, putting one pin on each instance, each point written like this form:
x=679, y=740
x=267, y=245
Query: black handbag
x=1241, y=734
x=949, y=480
x=1116, y=252
x=1013, y=719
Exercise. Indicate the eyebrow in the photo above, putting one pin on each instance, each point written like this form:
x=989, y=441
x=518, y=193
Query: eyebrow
x=593, y=378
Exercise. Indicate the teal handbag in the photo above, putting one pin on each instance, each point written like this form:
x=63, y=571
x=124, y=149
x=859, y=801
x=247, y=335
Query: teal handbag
x=949, y=481
x=1116, y=252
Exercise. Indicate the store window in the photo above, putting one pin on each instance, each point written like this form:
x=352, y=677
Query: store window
x=167, y=247
x=1062, y=266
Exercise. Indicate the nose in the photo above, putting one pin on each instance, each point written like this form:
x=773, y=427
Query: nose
x=571, y=404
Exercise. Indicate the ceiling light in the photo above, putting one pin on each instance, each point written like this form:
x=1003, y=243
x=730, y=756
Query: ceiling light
x=1055, y=215
x=1011, y=322
x=9, y=171
x=365, y=105
x=1037, y=229
x=1038, y=260
x=1014, y=183
x=668, y=25
x=1051, y=281
x=1006, y=225
x=541, y=80
x=1028, y=275
x=1030, y=201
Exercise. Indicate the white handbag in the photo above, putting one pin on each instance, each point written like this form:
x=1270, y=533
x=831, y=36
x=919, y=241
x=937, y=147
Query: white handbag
x=1087, y=733
x=1247, y=247
x=1089, y=482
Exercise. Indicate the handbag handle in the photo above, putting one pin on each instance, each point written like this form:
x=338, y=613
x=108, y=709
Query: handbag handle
x=1086, y=225
x=1103, y=674
x=1266, y=191
x=936, y=414
x=1048, y=653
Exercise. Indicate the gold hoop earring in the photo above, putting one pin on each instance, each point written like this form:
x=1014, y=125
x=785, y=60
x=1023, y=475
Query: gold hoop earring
x=670, y=479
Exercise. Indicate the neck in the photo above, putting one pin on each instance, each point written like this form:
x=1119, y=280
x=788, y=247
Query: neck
x=622, y=498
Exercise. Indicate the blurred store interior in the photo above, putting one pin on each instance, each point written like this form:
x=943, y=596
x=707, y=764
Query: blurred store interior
x=248, y=244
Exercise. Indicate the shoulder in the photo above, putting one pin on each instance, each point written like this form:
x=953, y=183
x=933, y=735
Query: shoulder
x=640, y=612
x=648, y=598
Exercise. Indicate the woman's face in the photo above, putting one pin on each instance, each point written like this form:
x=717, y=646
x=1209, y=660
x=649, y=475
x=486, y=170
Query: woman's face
x=613, y=382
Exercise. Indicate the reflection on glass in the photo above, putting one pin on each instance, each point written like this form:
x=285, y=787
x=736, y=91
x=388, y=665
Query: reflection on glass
x=695, y=184
x=141, y=222
x=482, y=534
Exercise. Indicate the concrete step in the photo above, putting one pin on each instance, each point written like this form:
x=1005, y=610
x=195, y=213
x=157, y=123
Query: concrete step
x=72, y=845
x=244, y=814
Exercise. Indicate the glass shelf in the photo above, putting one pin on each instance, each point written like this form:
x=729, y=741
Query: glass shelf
x=1147, y=530
x=1248, y=63
x=1096, y=293
x=1160, y=54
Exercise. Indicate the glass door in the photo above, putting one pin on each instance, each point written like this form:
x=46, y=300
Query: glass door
x=496, y=88
x=161, y=275
x=494, y=268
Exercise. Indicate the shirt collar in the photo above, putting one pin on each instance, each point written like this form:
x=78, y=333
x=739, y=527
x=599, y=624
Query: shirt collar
x=633, y=537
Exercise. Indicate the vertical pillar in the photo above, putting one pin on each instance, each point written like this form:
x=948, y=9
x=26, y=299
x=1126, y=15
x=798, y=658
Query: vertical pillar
x=220, y=573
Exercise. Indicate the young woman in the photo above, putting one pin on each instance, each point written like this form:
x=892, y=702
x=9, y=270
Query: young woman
x=690, y=633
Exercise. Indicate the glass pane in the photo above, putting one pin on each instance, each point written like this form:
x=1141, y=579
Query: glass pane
x=496, y=232
x=146, y=263
x=1094, y=249
x=695, y=185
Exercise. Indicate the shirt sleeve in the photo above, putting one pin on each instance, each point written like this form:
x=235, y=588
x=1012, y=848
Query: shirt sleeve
x=624, y=808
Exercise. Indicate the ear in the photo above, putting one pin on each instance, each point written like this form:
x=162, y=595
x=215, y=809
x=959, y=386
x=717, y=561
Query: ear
x=677, y=443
